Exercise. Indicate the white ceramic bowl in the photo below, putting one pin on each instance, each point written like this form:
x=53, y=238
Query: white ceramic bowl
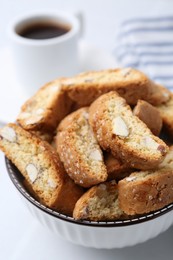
x=115, y=234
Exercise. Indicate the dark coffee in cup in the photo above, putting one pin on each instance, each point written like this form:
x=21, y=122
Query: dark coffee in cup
x=44, y=46
x=44, y=30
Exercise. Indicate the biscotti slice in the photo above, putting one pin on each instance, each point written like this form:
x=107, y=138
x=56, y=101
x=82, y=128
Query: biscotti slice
x=79, y=151
x=129, y=83
x=99, y=203
x=40, y=165
x=124, y=134
x=158, y=95
x=166, y=112
x=46, y=108
x=116, y=169
x=149, y=115
x=146, y=191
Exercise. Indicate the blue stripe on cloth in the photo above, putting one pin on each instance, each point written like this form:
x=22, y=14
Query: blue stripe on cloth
x=126, y=53
x=148, y=20
x=166, y=77
x=145, y=29
x=147, y=44
x=146, y=63
x=146, y=53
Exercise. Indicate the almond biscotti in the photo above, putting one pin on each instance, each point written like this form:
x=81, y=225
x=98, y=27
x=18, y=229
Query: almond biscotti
x=46, y=108
x=131, y=84
x=116, y=169
x=40, y=165
x=158, y=95
x=166, y=112
x=125, y=135
x=146, y=191
x=79, y=151
x=99, y=203
x=149, y=115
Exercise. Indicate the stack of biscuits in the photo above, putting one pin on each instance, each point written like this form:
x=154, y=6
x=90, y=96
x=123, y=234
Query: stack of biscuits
x=92, y=146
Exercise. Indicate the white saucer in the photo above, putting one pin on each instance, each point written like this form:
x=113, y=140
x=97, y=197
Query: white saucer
x=12, y=96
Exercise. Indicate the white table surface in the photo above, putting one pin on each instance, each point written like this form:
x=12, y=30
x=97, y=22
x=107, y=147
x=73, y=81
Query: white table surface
x=22, y=237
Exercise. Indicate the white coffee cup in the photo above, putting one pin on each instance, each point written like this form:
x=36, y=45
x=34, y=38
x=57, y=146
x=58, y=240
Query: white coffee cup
x=38, y=61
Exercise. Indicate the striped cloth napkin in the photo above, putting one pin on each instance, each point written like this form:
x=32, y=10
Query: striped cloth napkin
x=147, y=44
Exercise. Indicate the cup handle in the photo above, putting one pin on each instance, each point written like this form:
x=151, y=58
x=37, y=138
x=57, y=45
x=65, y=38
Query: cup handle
x=80, y=16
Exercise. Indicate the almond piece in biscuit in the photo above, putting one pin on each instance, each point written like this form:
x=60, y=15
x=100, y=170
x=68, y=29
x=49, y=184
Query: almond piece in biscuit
x=124, y=134
x=79, y=151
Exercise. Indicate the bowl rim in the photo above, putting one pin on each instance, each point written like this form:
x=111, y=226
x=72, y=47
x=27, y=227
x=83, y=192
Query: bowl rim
x=12, y=171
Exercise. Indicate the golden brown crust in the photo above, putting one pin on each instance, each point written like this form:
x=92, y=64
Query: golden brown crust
x=166, y=112
x=46, y=108
x=68, y=197
x=140, y=194
x=158, y=95
x=131, y=84
x=99, y=203
x=39, y=163
x=79, y=151
x=115, y=168
x=125, y=135
x=146, y=191
x=149, y=115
